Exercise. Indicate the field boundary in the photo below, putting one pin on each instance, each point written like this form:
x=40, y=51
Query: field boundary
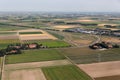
x=36, y=64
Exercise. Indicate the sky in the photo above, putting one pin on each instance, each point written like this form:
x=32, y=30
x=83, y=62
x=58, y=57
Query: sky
x=61, y=5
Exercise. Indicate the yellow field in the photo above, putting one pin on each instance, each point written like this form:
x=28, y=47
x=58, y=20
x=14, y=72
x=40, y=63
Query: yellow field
x=62, y=27
x=44, y=35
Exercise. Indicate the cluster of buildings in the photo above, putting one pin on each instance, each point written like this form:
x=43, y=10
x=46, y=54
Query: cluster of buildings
x=97, y=31
x=103, y=45
x=16, y=49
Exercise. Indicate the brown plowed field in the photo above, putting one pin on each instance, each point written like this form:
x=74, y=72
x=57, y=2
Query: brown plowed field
x=28, y=74
x=97, y=70
x=109, y=78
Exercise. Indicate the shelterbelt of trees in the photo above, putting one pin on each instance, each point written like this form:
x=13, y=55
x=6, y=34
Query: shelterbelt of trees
x=16, y=48
x=106, y=45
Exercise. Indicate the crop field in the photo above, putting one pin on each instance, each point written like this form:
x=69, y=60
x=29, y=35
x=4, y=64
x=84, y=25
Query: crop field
x=76, y=39
x=103, y=69
x=110, y=39
x=6, y=42
x=10, y=28
x=67, y=72
x=35, y=36
x=117, y=77
x=57, y=35
x=86, y=55
x=24, y=74
x=34, y=56
x=63, y=27
x=30, y=33
x=5, y=37
x=7, y=33
x=49, y=43
x=36, y=64
x=0, y=61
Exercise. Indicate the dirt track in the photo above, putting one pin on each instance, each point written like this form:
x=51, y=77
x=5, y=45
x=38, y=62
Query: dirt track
x=36, y=64
x=103, y=69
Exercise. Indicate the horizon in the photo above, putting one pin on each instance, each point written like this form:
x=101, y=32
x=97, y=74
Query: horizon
x=59, y=6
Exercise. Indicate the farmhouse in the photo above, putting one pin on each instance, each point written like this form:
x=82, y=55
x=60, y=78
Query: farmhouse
x=103, y=44
x=32, y=46
x=12, y=51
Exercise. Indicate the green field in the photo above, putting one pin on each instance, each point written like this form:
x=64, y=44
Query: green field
x=56, y=35
x=30, y=33
x=5, y=43
x=7, y=33
x=86, y=55
x=10, y=28
x=34, y=56
x=50, y=43
x=67, y=72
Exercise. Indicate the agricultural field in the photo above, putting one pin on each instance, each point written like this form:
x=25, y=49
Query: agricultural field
x=67, y=72
x=117, y=77
x=63, y=27
x=62, y=55
x=57, y=35
x=10, y=28
x=42, y=35
x=24, y=74
x=4, y=35
x=22, y=33
x=34, y=56
x=111, y=39
x=103, y=69
x=85, y=55
x=7, y=33
x=6, y=42
x=40, y=64
x=75, y=39
x=50, y=43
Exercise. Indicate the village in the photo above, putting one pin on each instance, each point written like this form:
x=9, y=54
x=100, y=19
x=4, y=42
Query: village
x=96, y=31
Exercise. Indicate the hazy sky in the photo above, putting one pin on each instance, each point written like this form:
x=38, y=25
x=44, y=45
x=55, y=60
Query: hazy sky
x=61, y=5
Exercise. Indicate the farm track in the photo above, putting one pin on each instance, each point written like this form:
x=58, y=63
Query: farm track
x=36, y=64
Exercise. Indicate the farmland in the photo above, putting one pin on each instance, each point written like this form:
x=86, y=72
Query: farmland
x=30, y=33
x=34, y=74
x=103, y=69
x=8, y=27
x=62, y=72
x=7, y=33
x=117, y=77
x=76, y=39
x=34, y=56
x=6, y=42
x=59, y=54
x=50, y=43
x=62, y=27
x=38, y=35
x=57, y=35
x=86, y=55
